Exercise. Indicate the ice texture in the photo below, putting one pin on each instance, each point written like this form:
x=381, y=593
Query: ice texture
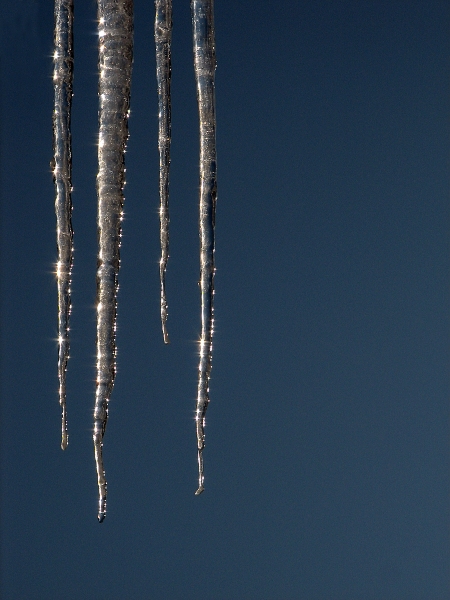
x=204, y=66
x=62, y=174
x=115, y=24
x=163, y=38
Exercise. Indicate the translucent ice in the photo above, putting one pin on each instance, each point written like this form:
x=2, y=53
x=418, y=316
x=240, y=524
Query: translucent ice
x=115, y=22
x=62, y=172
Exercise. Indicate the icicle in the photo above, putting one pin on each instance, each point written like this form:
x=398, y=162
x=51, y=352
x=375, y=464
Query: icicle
x=62, y=173
x=115, y=62
x=163, y=37
x=205, y=65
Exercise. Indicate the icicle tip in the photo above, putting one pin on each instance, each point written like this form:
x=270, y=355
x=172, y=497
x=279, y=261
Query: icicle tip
x=101, y=508
x=201, y=476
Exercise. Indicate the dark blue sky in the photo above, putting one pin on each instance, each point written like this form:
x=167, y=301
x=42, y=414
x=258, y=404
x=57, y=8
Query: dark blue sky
x=327, y=457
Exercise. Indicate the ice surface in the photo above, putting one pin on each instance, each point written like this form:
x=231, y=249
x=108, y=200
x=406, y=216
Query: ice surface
x=163, y=38
x=205, y=65
x=62, y=172
x=115, y=23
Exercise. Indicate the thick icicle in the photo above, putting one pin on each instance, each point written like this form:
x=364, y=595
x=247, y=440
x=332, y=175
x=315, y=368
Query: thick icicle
x=115, y=19
x=163, y=38
x=205, y=65
x=62, y=175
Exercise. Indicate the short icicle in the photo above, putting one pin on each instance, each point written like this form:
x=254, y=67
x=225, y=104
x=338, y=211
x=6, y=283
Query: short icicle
x=205, y=65
x=163, y=38
x=62, y=175
x=115, y=23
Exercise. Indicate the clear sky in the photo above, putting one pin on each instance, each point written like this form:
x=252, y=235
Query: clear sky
x=327, y=455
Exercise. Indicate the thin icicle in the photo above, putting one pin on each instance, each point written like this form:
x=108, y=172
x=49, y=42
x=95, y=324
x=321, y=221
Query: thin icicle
x=62, y=175
x=163, y=38
x=205, y=65
x=115, y=19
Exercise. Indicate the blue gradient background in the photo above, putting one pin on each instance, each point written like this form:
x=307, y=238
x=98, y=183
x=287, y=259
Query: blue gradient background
x=327, y=458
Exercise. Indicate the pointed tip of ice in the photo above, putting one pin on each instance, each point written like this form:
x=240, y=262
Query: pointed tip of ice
x=166, y=336
x=64, y=440
x=200, y=490
x=101, y=517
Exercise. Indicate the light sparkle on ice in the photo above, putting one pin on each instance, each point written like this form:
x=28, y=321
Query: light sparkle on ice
x=62, y=174
x=115, y=63
x=205, y=66
x=115, y=34
x=163, y=39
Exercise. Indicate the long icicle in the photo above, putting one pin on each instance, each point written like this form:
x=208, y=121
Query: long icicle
x=115, y=18
x=163, y=38
x=205, y=65
x=62, y=175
